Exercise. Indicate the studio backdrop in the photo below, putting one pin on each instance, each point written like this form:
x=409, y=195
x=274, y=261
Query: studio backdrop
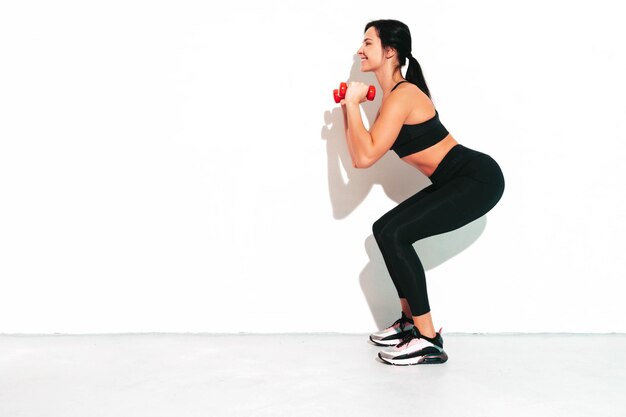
x=179, y=166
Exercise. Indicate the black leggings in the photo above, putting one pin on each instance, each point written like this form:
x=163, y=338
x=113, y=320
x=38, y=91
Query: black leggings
x=465, y=185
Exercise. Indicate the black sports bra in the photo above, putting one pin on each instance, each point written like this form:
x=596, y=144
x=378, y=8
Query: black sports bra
x=417, y=137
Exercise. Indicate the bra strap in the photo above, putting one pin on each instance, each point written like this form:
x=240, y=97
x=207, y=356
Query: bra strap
x=394, y=87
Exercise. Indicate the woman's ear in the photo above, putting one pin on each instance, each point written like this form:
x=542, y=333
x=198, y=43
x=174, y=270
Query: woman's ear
x=390, y=52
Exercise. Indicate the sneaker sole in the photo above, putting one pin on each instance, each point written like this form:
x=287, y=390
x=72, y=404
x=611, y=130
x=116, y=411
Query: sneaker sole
x=420, y=360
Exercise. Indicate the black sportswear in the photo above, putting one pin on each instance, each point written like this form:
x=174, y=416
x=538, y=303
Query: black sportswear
x=417, y=137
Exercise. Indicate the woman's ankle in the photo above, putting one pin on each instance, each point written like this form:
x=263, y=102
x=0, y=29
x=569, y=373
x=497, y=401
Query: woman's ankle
x=424, y=324
x=404, y=305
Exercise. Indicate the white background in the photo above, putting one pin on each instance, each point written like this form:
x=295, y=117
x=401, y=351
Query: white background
x=182, y=167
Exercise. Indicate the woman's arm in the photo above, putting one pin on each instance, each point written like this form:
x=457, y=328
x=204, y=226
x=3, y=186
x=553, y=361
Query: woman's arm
x=345, y=123
x=358, y=138
x=367, y=147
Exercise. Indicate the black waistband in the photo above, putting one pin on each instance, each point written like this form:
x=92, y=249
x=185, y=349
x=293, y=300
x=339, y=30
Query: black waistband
x=455, y=159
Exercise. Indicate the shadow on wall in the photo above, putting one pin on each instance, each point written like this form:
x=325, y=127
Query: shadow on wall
x=399, y=181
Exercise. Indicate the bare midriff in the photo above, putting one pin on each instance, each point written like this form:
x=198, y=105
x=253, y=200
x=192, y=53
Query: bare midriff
x=428, y=159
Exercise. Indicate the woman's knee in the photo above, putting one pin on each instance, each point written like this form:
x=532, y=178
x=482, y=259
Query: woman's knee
x=377, y=227
x=385, y=228
x=387, y=233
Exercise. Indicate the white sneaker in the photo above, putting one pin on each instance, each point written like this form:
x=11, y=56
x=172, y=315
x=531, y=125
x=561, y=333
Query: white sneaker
x=414, y=350
x=393, y=334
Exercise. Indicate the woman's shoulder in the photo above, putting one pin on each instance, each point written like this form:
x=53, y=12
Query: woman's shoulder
x=405, y=86
x=416, y=103
x=409, y=91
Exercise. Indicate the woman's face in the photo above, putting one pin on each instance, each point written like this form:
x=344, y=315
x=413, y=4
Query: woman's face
x=370, y=52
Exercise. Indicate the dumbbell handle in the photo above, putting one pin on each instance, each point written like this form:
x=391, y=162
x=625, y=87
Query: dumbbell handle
x=343, y=87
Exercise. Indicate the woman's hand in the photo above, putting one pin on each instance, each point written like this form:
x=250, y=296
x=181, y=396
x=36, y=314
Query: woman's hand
x=356, y=93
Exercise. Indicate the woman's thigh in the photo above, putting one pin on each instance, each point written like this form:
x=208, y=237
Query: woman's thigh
x=403, y=207
x=449, y=206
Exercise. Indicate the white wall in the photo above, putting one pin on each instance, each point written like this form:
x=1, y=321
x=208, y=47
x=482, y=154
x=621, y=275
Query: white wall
x=181, y=167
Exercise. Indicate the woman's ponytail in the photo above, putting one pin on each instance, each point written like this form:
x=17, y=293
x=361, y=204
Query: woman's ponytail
x=414, y=74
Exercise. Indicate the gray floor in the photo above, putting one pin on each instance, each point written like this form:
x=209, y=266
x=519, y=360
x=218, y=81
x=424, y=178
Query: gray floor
x=308, y=375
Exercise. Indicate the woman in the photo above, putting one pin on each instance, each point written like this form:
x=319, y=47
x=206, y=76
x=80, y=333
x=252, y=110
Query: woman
x=466, y=183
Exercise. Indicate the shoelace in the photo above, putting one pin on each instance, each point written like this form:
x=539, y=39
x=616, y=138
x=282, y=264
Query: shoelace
x=402, y=320
x=407, y=338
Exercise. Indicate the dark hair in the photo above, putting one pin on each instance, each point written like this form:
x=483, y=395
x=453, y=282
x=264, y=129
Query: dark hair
x=395, y=34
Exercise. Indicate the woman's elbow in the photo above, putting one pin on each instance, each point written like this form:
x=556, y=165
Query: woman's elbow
x=362, y=164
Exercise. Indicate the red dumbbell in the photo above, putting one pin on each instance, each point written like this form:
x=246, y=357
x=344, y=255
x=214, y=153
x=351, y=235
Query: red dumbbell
x=343, y=87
